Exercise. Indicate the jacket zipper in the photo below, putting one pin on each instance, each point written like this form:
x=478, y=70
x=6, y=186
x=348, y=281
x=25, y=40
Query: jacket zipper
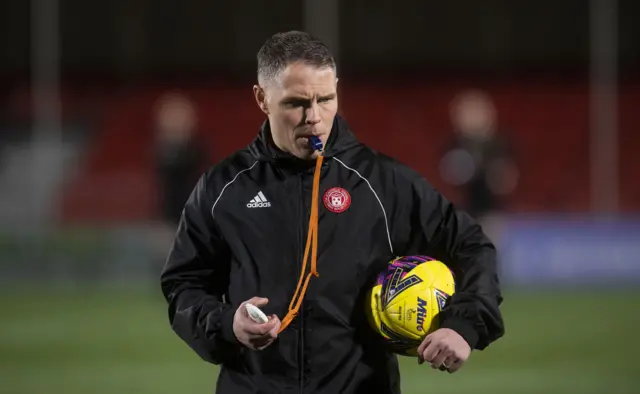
x=302, y=348
x=301, y=243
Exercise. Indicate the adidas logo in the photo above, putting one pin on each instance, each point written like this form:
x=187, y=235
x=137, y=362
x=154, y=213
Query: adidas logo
x=259, y=201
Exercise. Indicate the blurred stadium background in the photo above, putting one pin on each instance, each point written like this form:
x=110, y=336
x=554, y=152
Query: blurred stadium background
x=98, y=97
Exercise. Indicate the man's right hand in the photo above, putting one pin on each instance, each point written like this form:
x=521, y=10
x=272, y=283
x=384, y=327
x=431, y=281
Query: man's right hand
x=256, y=336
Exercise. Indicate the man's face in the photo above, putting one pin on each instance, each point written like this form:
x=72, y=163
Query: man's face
x=474, y=116
x=300, y=103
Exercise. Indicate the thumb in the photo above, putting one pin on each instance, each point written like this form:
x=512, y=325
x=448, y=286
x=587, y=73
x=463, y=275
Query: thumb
x=258, y=301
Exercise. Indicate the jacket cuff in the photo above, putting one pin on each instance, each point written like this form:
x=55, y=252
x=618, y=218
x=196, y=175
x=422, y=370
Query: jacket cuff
x=226, y=328
x=463, y=328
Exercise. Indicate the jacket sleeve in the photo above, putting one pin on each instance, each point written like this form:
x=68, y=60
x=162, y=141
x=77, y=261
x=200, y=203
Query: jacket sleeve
x=453, y=237
x=195, y=278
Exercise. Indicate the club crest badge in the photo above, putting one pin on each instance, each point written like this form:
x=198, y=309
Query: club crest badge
x=337, y=199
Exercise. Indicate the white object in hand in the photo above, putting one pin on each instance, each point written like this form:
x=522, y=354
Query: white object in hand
x=256, y=314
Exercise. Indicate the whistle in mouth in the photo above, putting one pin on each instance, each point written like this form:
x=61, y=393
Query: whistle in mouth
x=315, y=142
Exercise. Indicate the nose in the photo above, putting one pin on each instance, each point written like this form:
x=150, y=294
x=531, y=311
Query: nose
x=312, y=114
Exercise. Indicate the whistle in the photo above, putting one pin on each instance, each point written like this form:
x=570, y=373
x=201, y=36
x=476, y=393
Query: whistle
x=315, y=142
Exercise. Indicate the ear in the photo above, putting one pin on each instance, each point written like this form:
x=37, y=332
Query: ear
x=261, y=99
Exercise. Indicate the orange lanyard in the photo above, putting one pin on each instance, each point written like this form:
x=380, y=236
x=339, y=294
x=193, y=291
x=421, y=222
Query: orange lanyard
x=312, y=244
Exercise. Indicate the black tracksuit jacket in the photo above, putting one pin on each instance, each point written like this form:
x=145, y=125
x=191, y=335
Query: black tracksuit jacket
x=228, y=249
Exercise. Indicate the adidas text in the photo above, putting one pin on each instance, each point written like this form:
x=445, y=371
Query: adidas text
x=259, y=201
x=259, y=204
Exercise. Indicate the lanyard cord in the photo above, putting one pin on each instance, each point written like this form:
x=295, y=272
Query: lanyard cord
x=312, y=245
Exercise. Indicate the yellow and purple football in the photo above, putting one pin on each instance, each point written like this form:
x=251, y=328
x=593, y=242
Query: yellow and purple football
x=405, y=302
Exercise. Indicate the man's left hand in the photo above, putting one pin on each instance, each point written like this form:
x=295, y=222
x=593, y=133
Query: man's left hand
x=444, y=349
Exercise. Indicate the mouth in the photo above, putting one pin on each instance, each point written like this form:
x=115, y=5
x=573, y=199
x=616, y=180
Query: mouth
x=308, y=134
x=306, y=141
x=307, y=131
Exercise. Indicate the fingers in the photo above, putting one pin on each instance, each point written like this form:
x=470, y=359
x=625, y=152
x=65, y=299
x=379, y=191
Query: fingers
x=268, y=338
x=439, y=359
x=424, y=344
x=422, y=347
x=276, y=327
x=261, y=342
x=452, y=364
x=431, y=352
x=438, y=354
x=269, y=333
x=261, y=329
x=443, y=352
x=258, y=301
x=254, y=335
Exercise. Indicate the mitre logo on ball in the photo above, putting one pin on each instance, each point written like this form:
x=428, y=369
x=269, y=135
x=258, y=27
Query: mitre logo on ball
x=337, y=199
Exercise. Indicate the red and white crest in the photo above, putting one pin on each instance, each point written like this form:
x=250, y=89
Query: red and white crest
x=337, y=199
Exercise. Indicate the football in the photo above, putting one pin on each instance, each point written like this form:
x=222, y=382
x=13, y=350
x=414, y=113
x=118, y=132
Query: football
x=404, y=304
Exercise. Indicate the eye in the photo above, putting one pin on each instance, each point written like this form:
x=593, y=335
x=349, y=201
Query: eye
x=292, y=104
x=296, y=103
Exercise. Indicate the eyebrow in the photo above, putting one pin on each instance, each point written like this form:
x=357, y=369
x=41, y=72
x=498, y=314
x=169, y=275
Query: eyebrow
x=295, y=97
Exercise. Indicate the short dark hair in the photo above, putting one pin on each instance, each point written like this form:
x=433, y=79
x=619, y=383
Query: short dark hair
x=283, y=49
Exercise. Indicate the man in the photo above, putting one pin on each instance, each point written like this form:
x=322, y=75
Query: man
x=478, y=160
x=254, y=219
x=179, y=156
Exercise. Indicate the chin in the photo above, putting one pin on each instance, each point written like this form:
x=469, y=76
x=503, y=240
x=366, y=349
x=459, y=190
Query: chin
x=314, y=154
x=305, y=153
x=308, y=154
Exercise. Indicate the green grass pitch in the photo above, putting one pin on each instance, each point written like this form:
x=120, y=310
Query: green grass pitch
x=120, y=342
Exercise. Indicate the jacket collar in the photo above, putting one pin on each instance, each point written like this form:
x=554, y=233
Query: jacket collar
x=340, y=139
